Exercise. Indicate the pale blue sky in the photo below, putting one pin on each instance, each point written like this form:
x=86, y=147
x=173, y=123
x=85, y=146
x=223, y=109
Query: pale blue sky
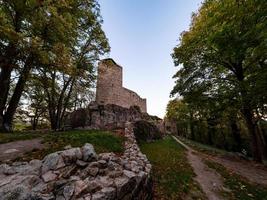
x=142, y=34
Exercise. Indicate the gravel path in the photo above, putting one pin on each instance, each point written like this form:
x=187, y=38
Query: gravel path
x=209, y=180
x=12, y=150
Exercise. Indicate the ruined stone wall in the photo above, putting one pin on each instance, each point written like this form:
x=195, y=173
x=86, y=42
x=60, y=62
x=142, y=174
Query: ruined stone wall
x=110, y=89
x=79, y=173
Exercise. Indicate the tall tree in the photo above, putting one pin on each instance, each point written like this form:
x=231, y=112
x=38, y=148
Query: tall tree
x=224, y=57
x=43, y=35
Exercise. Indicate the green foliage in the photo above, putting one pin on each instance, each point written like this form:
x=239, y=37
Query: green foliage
x=239, y=188
x=5, y=138
x=177, y=110
x=103, y=141
x=172, y=175
x=223, y=58
x=58, y=43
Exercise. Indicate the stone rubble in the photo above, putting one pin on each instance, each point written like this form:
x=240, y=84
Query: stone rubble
x=79, y=173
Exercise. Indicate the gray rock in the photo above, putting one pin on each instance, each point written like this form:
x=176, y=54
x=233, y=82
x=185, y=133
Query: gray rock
x=76, y=173
x=124, y=185
x=16, y=193
x=46, y=196
x=104, y=181
x=35, y=163
x=71, y=155
x=93, y=164
x=67, y=171
x=40, y=188
x=88, y=152
x=68, y=191
x=60, y=163
x=74, y=178
x=81, y=163
x=98, y=196
x=80, y=186
x=7, y=170
x=19, y=163
x=92, y=171
x=50, y=162
x=60, y=197
x=129, y=174
x=88, y=197
x=93, y=186
x=102, y=163
x=33, y=167
x=115, y=173
x=49, y=176
x=109, y=193
x=106, y=156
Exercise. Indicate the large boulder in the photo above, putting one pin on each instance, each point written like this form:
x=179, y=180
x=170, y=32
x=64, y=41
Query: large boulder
x=78, y=118
x=146, y=131
x=88, y=152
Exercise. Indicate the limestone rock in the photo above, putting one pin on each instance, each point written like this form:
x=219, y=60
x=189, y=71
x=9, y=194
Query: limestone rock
x=124, y=185
x=49, y=176
x=50, y=162
x=77, y=173
x=80, y=186
x=68, y=191
x=71, y=155
x=93, y=186
x=88, y=152
x=18, y=193
x=92, y=171
x=81, y=163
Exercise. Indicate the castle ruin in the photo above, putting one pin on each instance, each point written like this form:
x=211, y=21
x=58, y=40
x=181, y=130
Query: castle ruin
x=110, y=89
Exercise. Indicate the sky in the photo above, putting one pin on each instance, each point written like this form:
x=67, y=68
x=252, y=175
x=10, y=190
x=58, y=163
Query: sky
x=142, y=35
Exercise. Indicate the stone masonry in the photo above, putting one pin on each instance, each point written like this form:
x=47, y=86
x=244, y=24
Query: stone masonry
x=79, y=173
x=110, y=89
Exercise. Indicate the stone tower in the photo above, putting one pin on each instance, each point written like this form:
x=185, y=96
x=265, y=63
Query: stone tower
x=110, y=89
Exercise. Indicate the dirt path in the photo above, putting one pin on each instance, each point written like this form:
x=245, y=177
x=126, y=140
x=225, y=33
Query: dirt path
x=12, y=150
x=209, y=180
x=255, y=173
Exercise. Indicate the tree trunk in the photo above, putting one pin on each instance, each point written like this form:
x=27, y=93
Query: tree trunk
x=260, y=133
x=4, y=89
x=211, y=130
x=263, y=131
x=14, y=101
x=236, y=135
x=256, y=142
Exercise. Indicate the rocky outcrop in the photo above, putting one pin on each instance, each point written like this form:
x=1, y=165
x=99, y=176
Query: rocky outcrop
x=79, y=173
x=108, y=117
x=146, y=131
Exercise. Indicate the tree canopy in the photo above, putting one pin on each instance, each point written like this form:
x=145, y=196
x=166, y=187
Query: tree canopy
x=223, y=57
x=57, y=42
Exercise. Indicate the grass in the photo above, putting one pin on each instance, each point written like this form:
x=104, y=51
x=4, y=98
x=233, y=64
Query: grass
x=239, y=188
x=172, y=174
x=210, y=150
x=204, y=147
x=103, y=141
x=11, y=137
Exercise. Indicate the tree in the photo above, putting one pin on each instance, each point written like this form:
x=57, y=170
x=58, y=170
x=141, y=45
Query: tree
x=44, y=35
x=60, y=85
x=34, y=98
x=224, y=58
